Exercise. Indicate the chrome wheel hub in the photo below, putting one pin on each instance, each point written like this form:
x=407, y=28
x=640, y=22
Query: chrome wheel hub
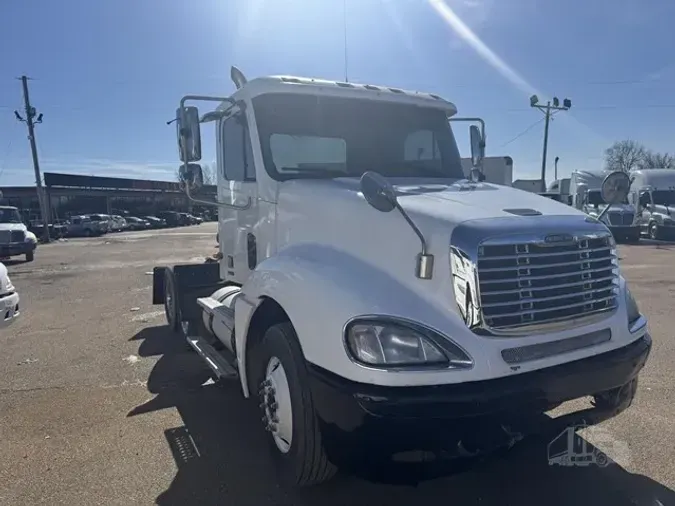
x=275, y=398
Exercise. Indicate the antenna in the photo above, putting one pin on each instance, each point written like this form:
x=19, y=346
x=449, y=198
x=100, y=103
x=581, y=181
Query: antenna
x=344, y=27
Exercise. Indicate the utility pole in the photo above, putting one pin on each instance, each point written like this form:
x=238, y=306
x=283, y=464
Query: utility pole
x=31, y=121
x=549, y=111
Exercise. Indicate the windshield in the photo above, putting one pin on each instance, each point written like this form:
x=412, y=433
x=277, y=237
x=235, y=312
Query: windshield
x=308, y=136
x=594, y=198
x=10, y=216
x=663, y=197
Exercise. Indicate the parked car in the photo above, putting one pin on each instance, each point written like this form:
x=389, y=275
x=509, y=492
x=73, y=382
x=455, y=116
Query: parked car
x=9, y=299
x=172, y=218
x=118, y=223
x=185, y=219
x=15, y=239
x=155, y=222
x=106, y=221
x=134, y=223
x=85, y=226
x=195, y=220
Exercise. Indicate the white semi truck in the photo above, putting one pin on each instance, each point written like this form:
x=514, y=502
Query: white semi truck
x=586, y=194
x=653, y=193
x=9, y=299
x=371, y=299
x=496, y=169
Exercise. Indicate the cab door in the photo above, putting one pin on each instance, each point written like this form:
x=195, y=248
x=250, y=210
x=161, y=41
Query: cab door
x=237, y=188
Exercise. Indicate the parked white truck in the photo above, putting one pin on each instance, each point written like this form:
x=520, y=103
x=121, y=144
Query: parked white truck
x=15, y=238
x=496, y=169
x=9, y=299
x=373, y=300
x=653, y=193
x=585, y=190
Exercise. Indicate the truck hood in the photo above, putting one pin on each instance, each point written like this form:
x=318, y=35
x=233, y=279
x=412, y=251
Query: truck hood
x=454, y=201
x=13, y=226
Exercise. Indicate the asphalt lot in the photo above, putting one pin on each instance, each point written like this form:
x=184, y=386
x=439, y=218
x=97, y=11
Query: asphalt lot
x=101, y=404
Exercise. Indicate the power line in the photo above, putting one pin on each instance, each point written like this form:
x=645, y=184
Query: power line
x=523, y=132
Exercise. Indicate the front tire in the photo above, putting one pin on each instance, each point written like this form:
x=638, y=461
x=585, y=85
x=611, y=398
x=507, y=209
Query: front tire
x=654, y=232
x=287, y=409
x=30, y=256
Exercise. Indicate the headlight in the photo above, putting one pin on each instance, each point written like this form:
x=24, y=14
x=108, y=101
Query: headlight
x=30, y=237
x=632, y=308
x=380, y=343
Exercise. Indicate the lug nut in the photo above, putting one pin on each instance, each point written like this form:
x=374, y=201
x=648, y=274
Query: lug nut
x=275, y=419
x=274, y=406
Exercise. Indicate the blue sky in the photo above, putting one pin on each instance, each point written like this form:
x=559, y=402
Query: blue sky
x=108, y=74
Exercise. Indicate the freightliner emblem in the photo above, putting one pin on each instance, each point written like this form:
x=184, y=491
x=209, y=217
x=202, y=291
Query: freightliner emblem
x=556, y=239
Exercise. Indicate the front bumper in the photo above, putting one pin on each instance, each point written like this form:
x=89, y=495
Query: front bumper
x=632, y=231
x=9, y=309
x=389, y=420
x=16, y=248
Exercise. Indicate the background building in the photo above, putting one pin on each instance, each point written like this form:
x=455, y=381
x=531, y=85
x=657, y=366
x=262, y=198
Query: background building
x=70, y=194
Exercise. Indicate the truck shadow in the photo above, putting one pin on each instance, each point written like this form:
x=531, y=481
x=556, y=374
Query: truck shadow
x=221, y=456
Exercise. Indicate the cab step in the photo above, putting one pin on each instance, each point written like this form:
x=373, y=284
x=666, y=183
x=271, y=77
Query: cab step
x=221, y=362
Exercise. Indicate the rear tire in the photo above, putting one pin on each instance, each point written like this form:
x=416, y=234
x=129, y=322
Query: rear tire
x=284, y=396
x=171, y=301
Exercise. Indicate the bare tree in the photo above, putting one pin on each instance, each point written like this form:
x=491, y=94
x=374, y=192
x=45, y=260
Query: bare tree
x=654, y=160
x=209, y=173
x=624, y=155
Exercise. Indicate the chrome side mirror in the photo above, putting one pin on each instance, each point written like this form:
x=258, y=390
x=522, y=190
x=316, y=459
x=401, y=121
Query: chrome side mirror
x=378, y=192
x=191, y=176
x=614, y=189
x=477, y=146
x=188, y=134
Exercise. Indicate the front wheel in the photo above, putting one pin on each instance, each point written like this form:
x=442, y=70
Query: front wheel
x=30, y=256
x=287, y=409
x=654, y=232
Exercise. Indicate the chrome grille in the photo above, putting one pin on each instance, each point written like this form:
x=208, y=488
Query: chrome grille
x=5, y=236
x=17, y=236
x=524, y=284
x=618, y=218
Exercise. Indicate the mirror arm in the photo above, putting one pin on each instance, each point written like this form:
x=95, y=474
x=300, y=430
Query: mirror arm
x=604, y=211
x=216, y=203
x=424, y=268
x=474, y=120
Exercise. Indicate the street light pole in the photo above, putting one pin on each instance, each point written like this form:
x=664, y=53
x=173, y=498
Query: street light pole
x=549, y=110
x=543, y=156
x=30, y=122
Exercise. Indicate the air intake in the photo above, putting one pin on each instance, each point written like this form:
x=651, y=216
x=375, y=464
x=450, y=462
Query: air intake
x=523, y=212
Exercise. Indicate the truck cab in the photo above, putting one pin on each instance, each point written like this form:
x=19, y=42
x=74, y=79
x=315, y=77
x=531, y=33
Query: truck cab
x=586, y=193
x=15, y=238
x=653, y=194
x=370, y=297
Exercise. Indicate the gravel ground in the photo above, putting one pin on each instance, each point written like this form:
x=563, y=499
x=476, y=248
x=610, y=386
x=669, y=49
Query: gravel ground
x=100, y=404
